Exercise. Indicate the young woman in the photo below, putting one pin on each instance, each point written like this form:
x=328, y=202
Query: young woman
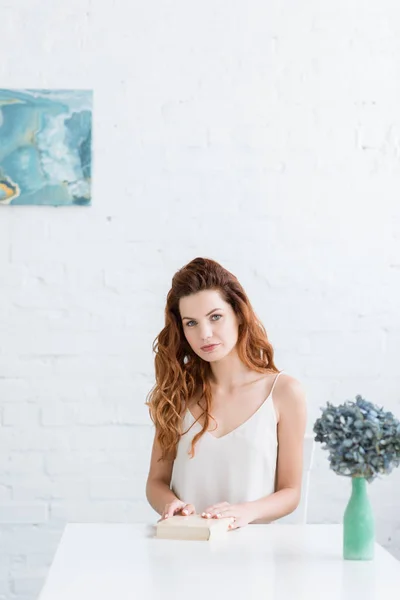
x=229, y=426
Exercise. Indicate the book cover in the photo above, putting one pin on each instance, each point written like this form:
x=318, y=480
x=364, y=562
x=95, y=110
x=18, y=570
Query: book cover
x=192, y=527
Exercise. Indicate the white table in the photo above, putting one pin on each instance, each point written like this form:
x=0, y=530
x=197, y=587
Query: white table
x=277, y=562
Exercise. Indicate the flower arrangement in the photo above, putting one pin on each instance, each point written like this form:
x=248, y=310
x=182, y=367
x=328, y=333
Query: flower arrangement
x=362, y=439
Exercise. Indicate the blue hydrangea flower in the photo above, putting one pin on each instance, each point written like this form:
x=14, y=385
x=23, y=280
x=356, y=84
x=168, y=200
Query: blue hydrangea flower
x=362, y=439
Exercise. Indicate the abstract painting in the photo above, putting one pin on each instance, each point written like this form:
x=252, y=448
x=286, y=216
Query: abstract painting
x=45, y=147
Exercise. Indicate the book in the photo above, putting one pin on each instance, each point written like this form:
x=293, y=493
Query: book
x=192, y=527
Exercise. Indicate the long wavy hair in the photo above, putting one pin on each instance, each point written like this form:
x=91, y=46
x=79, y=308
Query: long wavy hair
x=180, y=373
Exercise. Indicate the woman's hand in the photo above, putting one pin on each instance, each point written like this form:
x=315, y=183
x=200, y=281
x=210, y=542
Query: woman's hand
x=177, y=507
x=242, y=513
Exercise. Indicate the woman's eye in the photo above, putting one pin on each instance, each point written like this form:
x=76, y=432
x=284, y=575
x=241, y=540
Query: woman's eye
x=213, y=318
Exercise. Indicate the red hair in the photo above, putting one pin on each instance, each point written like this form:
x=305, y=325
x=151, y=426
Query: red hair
x=179, y=372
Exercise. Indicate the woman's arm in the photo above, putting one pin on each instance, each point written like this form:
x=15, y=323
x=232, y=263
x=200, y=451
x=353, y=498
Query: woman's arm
x=291, y=403
x=158, y=492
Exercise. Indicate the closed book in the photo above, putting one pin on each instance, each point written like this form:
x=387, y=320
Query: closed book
x=192, y=527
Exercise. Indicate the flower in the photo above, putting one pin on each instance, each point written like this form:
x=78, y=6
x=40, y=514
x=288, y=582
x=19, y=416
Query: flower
x=362, y=439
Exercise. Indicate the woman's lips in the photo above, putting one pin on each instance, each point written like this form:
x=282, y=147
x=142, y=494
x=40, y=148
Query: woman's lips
x=209, y=348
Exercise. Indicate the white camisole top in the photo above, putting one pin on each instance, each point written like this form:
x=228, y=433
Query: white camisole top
x=237, y=467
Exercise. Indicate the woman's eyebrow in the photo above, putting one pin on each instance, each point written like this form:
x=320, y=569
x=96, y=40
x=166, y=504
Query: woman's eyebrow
x=209, y=313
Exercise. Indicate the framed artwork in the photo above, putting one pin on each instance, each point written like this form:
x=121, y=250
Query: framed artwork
x=45, y=147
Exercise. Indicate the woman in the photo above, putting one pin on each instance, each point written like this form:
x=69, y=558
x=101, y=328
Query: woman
x=229, y=426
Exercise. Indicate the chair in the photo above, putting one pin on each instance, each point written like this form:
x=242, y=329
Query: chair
x=299, y=516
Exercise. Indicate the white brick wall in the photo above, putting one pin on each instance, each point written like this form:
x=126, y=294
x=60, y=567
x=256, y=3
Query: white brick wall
x=265, y=135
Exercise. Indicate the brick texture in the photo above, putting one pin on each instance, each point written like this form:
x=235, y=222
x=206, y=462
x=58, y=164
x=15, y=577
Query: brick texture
x=264, y=135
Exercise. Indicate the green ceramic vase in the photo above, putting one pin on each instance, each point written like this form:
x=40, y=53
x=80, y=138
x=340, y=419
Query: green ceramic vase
x=358, y=524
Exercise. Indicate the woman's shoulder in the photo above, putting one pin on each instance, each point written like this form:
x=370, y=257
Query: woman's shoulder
x=289, y=394
x=288, y=382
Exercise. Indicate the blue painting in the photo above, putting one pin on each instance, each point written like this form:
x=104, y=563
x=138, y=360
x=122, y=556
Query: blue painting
x=45, y=147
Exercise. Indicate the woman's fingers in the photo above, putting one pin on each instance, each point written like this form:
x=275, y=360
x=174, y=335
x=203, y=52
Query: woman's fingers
x=215, y=510
x=227, y=513
x=172, y=508
x=178, y=508
x=188, y=509
x=230, y=514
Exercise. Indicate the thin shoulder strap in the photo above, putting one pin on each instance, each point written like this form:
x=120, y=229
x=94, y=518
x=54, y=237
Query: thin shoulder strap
x=275, y=380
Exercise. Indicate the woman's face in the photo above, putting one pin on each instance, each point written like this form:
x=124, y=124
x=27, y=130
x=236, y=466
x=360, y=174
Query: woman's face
x=210, y=324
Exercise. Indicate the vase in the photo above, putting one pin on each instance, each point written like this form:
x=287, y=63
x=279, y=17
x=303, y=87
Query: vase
x=358, y=524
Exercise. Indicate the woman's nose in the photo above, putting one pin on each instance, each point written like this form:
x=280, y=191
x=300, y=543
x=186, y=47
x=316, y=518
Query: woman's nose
x=206, y=332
